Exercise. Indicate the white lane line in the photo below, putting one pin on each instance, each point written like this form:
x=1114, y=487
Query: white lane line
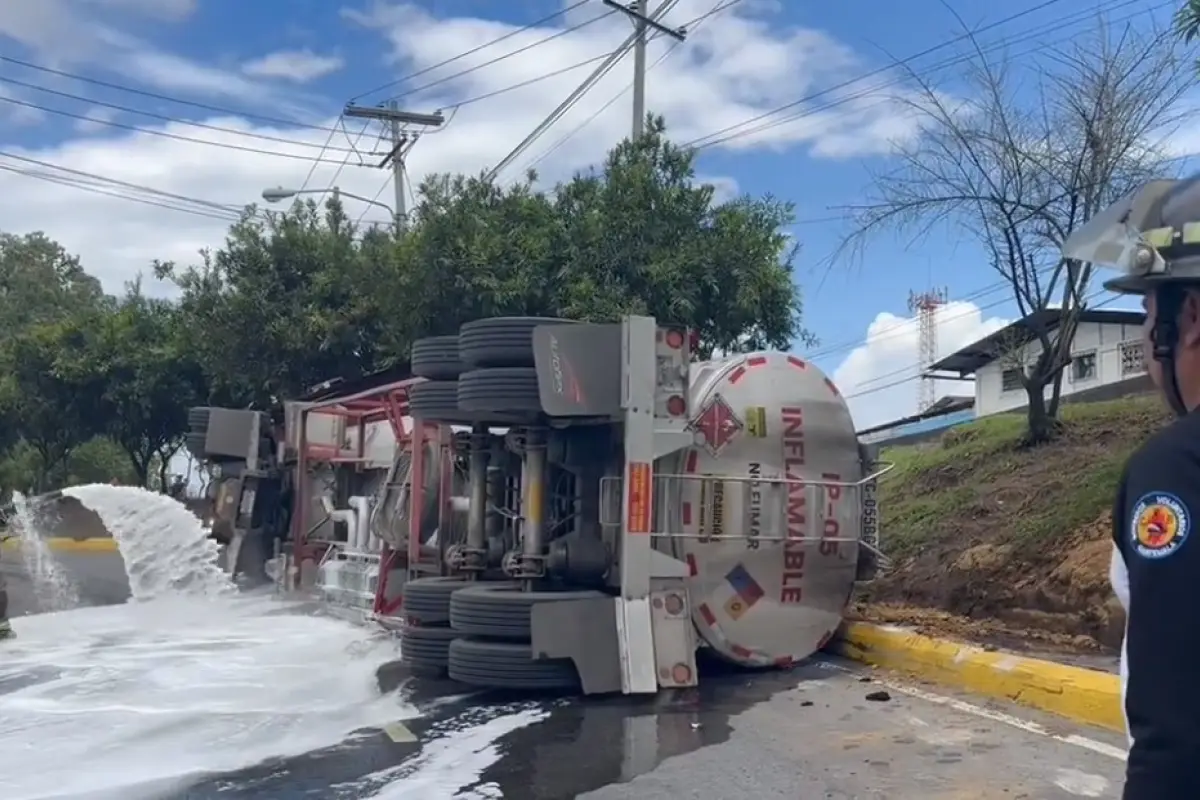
x=963, y=706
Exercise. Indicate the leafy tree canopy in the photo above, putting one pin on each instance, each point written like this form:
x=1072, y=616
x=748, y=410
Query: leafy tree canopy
x=94, y=387
x=295, y=298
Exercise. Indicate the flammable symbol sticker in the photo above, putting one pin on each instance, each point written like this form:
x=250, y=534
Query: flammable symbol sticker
x=716, y=426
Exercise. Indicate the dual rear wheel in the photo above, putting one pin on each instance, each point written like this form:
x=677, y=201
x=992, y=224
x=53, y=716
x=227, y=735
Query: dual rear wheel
x=479, y=634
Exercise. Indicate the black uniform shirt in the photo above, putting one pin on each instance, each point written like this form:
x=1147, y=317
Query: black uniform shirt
x=1154, y=528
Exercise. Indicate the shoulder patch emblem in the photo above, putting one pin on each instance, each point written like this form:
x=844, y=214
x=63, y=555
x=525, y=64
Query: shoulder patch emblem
x=1159, y=526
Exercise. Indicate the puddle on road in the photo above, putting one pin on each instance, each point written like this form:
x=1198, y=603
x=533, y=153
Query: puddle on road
x=489, y=745
x=588, y=744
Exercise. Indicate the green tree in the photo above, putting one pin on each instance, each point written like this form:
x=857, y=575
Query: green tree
x=1017, y=173
x=293, y=299
x=99, y=460
x=282, y=306
x=44, y=399
x=136, y=356
x=638, y=235
x=41, y=282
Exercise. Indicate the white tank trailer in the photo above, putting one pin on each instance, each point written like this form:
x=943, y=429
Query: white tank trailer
x=583, y=507
x=636, y=508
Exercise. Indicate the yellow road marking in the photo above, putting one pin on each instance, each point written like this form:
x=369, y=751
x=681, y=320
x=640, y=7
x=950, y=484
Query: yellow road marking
x=63, y=544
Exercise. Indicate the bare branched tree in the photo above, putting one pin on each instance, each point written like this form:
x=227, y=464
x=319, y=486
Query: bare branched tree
x=1038, y=148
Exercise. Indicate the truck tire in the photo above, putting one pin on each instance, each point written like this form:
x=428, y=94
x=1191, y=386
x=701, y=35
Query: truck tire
x=501, y=610
x=436, y=358
x=500, y=389
x=500, y=341
x=427, y=600
x=195, y=443
x=426, y=651
x=508, y=665
x=434, y=400
x=198, y=419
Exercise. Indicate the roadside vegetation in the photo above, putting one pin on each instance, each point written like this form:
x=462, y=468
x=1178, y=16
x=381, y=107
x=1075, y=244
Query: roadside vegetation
x=996, y=540
x=95, y=386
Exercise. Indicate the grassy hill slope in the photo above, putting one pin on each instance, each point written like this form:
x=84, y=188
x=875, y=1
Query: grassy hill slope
x=995, y=542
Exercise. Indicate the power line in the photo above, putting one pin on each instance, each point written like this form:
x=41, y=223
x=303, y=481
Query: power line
x=164, y=97
x=697, y=22
x=163, y=134
x=877, y=71
x=498, y=59
x=530, y=81
x=80, y=179
x=102, y=191
x=987, y=49
x=605, y=67
x=732, y=132
x=116, y=182
x=903, y=381
x=328, y=139
x=473, y=51
x=165, y=117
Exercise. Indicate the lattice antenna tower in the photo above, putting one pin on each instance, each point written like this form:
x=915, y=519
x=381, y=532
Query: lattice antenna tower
x=925, y=306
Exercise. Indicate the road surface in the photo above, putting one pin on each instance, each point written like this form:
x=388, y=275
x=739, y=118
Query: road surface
x=98, y=578
x=810, y=734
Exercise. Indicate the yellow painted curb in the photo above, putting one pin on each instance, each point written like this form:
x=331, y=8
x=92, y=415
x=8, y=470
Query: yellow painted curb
x=1084, y=695
x=61, y=544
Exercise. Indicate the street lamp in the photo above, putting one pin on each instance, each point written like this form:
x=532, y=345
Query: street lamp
x=279, y=193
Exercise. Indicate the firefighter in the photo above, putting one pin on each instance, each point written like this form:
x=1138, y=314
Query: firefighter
x=1152, y=236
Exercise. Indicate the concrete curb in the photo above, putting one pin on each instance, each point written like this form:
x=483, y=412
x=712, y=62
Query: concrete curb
x=61, y=544
x=1083, y=695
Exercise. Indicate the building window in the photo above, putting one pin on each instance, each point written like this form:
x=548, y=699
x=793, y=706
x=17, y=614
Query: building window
x=1010, y=379
x=1133, y=358
x=1083, y=367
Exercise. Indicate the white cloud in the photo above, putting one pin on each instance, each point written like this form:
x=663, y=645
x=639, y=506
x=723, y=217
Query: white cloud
x=18, y=113
x=97, y=117
x=736, y=65
x=725, y=188
x=878, y=377
x=297, y=66
x=82, y=35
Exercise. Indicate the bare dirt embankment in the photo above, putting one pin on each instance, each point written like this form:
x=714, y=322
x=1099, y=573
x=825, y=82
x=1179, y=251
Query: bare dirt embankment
x=1002, y=544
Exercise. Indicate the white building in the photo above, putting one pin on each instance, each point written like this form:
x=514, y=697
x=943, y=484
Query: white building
x=1107, y=360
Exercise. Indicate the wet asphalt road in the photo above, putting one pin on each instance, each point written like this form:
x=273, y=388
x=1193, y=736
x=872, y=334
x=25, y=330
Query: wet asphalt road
x=807, y=734
x=99, y=579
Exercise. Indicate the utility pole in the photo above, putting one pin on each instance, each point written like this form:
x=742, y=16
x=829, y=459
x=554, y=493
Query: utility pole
x=401, y=143
x=639, y=12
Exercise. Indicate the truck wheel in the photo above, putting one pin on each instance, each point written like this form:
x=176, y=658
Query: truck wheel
x=500, y=389
x=427, y=600
x=506, y=665
x=434, y=400
x=198, y=419
x=436, y=358
x=426, y=651
x=195, y=442
x=501, y=341
x=501, y=610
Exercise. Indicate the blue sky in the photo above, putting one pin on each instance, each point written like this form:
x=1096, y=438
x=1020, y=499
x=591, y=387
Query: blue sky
x=298, y=61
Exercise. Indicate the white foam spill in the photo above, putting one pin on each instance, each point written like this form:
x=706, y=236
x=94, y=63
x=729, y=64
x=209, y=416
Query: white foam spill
x=454, y=761
x=135, y=701
x=166, y=549
x=1081, y=784
x=52, y=587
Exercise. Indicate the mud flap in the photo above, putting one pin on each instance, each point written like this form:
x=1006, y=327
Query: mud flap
x=246, y=557
x=584, y=631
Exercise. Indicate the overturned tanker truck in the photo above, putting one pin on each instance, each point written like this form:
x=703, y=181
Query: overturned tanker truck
x=544, y=504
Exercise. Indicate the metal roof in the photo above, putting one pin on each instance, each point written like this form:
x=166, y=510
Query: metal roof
x=971, y=358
